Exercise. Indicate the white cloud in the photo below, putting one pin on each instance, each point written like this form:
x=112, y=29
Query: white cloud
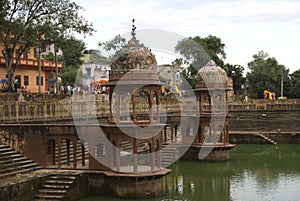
x=244, y=26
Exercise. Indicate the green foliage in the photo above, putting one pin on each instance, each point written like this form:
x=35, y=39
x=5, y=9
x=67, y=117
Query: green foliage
x=30, y=22
x=72, y=52
x=214, y=48
x=265, y=74
x=94, y=56
x=236, y=73
x=193, y=52
x=162, y=79
x=189, y=74
x=197, y=52
x=294, y=90
x=49, y=56
x=113, y=45
x=69, y=74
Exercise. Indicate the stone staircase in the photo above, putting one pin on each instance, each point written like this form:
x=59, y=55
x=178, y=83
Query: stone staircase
x=168, y=155
x=267, y=138
x=56, y=186
x=13, y=163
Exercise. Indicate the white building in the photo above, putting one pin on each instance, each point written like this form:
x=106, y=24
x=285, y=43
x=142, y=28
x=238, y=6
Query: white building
x=49, y=48
x=94, y=72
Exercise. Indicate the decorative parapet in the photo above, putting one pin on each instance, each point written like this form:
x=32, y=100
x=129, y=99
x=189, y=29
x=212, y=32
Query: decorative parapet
x=16, y=109
x=33, y=63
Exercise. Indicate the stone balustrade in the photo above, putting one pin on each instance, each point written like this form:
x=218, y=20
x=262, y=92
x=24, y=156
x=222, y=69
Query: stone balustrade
x=16, y=108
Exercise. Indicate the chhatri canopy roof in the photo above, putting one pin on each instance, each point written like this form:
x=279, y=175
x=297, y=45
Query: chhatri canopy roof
x=133, y=57
x=212, y=73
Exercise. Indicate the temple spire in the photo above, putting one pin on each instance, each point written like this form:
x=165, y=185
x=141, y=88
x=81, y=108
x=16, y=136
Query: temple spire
x=133, y=29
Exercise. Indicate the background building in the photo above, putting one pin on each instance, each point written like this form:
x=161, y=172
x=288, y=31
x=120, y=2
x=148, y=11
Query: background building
x=27, y=74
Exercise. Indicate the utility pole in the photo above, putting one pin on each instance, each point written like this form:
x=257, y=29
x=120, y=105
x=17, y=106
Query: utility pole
x=281, y=91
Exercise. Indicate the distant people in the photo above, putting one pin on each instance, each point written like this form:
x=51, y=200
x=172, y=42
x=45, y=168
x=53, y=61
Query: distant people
x=69, y=89
x=62, y=89
x=107, y=90
x=103, y=89
x=16, y=87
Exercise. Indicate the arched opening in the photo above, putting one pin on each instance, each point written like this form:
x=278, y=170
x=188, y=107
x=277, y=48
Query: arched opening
x=207, y=103
x=142, y=105
x=218, y=104
x=51, y=152
x=190, y=131
x=144, y=156
x=126, y=153
x=207, y=132
x=100, y=150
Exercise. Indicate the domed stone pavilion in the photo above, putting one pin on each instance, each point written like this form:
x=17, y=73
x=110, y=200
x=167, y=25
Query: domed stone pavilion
x=210, y=141
x=132, y=138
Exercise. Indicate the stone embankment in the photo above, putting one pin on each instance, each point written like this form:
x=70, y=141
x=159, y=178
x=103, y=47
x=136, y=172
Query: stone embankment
x=265, y=126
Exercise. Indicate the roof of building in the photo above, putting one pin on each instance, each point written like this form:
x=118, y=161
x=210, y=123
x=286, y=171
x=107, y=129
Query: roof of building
x=133, y=57
x=212, y=73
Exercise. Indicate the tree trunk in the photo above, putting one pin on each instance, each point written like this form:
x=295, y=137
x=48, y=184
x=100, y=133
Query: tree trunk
x=10, y=72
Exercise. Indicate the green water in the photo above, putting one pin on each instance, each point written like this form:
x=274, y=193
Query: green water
x=254, y=172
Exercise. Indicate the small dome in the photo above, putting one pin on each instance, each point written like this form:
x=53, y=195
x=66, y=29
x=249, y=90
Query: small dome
x=211, y=73
x=133, y=57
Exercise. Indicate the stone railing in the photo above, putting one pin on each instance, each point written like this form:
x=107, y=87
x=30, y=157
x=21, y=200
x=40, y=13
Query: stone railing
x=42, y=109
x=14, y=109
x=293, y=104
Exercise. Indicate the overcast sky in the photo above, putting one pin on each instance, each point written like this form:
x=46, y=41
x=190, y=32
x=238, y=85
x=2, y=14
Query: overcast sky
x=245, y=27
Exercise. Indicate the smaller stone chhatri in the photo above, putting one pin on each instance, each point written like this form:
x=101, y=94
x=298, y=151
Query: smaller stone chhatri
x=211, y=73
x=133, y=57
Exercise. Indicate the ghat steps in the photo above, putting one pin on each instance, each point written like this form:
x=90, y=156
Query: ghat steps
x=56, y=186
x=267, y=138
x=14, y=163
x=168, y=155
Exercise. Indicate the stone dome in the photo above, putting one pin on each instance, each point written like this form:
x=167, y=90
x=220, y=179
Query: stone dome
x=133, y=57
x=212, y=73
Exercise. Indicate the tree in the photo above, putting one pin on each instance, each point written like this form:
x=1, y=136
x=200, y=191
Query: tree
x=214, y=48
x=236, y=73
x=294, y=91
x=189, y=74
x=72, y=57
x=30, y=22
x=112, y=46
x=69, y=74
x=197, y=52
x=72, y=52
x=266, y=74
x=94, y=56
x=193, y=53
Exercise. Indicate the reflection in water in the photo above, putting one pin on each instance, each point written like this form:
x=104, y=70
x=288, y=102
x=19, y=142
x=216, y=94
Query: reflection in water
x=255, y=172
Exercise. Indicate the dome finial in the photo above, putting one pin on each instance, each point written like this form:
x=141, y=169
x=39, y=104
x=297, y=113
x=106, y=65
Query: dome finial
x=133, y=29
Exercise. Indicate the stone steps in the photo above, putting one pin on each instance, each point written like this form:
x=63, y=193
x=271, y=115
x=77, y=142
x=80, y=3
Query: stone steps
x=13, y=163
x=267, y=138
x=56, y=186
x=168, y=155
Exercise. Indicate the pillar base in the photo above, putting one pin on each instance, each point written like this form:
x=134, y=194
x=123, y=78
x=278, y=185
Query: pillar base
x=136, y=186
